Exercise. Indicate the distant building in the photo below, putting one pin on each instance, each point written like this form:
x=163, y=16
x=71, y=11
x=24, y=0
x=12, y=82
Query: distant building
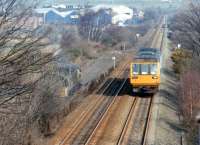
x=141, y=14
x=69, y=7
x=53, y=16
x=138, y=18
x=67, y=17
x=134, y=21
x=120, y=14
x=71, y=15
x=61, y=6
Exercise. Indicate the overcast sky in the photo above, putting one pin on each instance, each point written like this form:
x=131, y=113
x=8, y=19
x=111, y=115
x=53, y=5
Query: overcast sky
x=96, y=1
x=130, y=3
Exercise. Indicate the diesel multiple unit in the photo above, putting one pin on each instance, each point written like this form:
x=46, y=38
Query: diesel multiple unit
x=145, y=70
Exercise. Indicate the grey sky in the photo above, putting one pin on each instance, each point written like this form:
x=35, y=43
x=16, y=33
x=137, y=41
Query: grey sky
x=93, y=2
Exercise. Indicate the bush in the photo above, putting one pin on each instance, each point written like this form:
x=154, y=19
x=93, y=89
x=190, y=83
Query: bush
x=115, y=35
x=180, y=57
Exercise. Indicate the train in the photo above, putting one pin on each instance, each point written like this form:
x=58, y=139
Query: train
x=145, y=70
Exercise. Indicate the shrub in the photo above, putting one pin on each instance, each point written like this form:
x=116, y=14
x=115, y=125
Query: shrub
x=180, y=57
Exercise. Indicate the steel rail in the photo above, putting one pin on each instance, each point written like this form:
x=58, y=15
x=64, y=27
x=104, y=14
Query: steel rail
x=129, y=117
x=105, y=113
x=84, y=114
x=147, y=123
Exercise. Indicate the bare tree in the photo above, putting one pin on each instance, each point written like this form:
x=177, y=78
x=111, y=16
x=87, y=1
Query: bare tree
x=20, y=51
x=189, y=102
x=22, y=65
x=68, y=39
x=115, y=35
x=92, y=25
x=185, y=26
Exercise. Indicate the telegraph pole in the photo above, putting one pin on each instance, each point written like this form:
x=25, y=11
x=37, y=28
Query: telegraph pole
x=114, y=61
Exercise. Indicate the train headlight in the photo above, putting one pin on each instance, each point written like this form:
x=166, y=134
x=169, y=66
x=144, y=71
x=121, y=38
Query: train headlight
x=135, y=77
x=154, y=77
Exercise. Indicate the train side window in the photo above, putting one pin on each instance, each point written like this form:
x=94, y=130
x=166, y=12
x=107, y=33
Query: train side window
x=153, y=69
x=136, y=69
x=144, y=69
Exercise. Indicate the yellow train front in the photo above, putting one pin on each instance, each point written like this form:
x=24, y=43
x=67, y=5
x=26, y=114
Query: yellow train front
x=145, y=71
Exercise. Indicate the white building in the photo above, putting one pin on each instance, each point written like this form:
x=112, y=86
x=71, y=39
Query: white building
x=120, y=13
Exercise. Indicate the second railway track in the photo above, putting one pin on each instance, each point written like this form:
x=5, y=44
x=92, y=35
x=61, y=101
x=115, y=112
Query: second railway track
x=94, y=111
x=135, y=127
x=98, y=123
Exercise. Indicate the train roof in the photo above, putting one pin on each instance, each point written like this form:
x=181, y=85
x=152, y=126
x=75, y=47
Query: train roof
x=149, y=50
x=148, y=54
x=146, y=58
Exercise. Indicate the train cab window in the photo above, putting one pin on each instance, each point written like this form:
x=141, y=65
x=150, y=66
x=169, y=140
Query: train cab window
x=153, y=69
x=144, y=69
x=136, y=69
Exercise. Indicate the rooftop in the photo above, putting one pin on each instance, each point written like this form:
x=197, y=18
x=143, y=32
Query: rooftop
x=46, y=10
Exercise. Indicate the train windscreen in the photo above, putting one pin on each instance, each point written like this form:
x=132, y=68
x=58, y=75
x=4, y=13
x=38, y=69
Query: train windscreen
x=144, y=69
x=136, y=69
x=153, y=69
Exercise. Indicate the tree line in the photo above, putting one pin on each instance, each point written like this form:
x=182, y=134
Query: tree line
x=186, y=31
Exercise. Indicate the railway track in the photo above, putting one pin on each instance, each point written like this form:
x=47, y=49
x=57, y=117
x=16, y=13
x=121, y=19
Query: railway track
x=90, y=139
x=81, y=120
x=94, y=111
x=154, y=32
x=91, y=124
x=147, y=123
x=138, y=130
x=128, y=123
x=136, y=127
x=132, y=131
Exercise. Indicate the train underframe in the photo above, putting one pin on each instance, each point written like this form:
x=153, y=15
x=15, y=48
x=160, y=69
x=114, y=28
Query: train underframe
x=145, y=89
